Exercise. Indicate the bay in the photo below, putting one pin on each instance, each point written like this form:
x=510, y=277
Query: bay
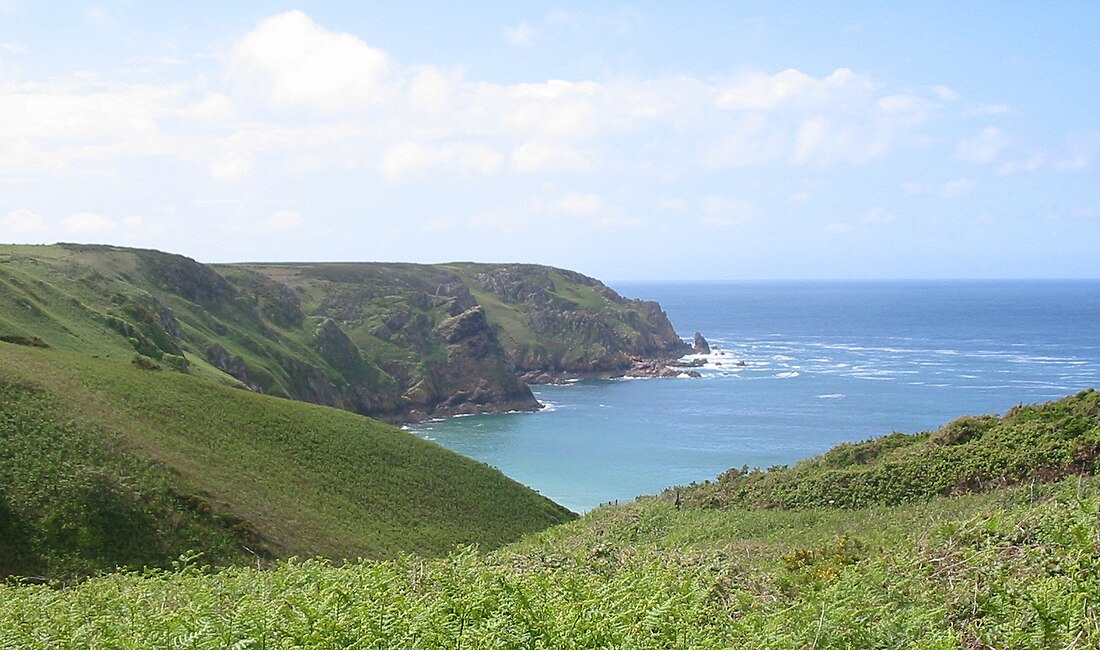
x=824, y=362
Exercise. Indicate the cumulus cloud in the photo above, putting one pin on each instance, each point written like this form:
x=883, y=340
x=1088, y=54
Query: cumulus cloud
x=917, y=187
x=762, y=91
x=213, y=108
x=292, y=62
x=957, y=187
x=579, y=204
x=430, y=90
x=409, y=158
x=989, y=109
x=879, y=215
x=87, y=223
x=296, y=95
x=982, y=148
x=521, y=35
x=284, y=220
x=672, y=204
x=21, y=223
x=725, y=212
x=571, y=209
x=543, y=155
x=231, y=164
x=1014, y=166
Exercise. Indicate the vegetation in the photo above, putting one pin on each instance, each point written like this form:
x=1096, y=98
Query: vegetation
x=399, y=341
x=106, y=463
x=990, y=565
x=118, y=452
x=1030, y=443
x=1015, y=569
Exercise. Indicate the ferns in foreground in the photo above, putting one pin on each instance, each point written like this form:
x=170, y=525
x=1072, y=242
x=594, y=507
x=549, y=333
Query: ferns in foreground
x=1022, y=573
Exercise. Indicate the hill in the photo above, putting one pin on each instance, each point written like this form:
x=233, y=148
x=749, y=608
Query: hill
x=1029, y=443
x=107, y=463
x=1004, y=567
x=396, y=341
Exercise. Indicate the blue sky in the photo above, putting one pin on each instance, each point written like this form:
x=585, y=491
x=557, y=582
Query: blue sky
x=638, y=141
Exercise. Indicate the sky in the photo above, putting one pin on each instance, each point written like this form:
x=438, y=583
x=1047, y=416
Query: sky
x=629, y=141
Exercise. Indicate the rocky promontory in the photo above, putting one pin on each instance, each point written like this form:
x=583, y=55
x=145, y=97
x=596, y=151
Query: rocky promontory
x=395, y=341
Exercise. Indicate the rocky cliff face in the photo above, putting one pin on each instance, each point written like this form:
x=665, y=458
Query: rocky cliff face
x=396, y=341
x=571, y=325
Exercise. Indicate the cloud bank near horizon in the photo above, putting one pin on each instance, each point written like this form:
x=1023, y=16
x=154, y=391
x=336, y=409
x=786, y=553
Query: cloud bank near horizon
x=294, y=132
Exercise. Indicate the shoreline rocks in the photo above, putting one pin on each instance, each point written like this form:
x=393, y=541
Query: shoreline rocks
x=701, y=346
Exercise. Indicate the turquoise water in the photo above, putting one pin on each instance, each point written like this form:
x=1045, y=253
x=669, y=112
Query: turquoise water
x=825, y=362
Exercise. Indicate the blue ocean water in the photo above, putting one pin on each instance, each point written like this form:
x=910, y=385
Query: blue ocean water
x=825, y=362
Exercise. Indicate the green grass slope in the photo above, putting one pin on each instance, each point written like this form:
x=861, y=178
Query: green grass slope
x=1030, y=443
x=104, y=463
x=1011, y=567
x=398, y=341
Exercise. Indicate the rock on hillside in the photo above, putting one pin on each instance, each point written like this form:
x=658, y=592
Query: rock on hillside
x=396, y=341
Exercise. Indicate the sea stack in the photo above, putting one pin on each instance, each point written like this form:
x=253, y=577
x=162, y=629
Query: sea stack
x=701, y=345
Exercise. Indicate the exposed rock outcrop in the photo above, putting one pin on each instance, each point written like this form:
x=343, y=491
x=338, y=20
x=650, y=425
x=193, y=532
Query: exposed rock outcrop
x=396, y=341
x=701, y=346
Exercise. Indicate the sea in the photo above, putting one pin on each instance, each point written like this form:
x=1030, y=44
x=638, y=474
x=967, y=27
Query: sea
x=795, y=368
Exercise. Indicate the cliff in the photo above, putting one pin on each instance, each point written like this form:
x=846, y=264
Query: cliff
x=396, y=341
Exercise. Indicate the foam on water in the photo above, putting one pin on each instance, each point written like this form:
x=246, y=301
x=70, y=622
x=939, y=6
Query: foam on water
x=819, y=367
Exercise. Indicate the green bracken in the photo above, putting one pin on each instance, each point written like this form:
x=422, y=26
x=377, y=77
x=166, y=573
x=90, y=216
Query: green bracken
x=104, y=463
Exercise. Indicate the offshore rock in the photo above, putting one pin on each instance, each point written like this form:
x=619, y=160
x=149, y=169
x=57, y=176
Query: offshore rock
x=701, y=346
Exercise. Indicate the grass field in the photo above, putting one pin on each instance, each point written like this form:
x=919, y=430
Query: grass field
x=1012, y=562
x=1017, y=568
x=105, y=463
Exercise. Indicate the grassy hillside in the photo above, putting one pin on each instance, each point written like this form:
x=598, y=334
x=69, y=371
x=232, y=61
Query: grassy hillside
x=106, y=463
x=1030, y=443
x=1010, y=567
x=399, y=341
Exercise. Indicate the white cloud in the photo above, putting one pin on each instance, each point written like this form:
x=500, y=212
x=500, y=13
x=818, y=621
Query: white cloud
x=133, y=221
x=749, y=141
x=409, y=157
x=879, y=215
x=957, y=187
x=982, y=148
x=231, y=164
x=823, y=141
x=20, y=223
x=292, y=62
x=763, y=91
x=1074, y=163
x=98, y=16
x=430, y=90
x=14, y=48
x=537, y=156
x=87, y=223
x=579, y=204
x=1013, y=166
x=916, y=187
x=989, y=109
x=284, y=220
x=570, y=209
x=71, y=112
x=672, y=204
x=522, y=35
x=945, y=93
x=212, y=108
x=1083, y=148
x=724, y=212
